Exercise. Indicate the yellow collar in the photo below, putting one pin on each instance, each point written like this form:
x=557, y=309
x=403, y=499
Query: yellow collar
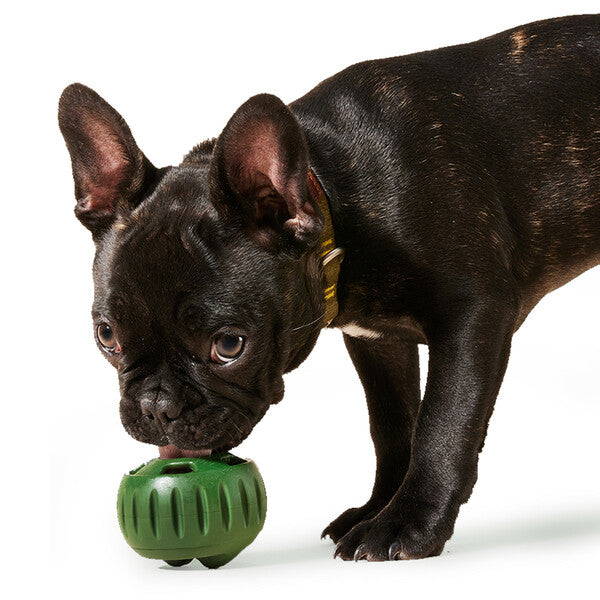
x=331, y=255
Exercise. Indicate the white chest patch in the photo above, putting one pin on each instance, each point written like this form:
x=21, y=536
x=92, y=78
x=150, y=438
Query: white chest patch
x=354, y=330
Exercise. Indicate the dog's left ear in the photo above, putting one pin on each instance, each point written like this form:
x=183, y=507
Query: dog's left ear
x=259, y=171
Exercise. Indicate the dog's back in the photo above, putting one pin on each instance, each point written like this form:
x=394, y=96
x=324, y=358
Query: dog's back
x=500, y=136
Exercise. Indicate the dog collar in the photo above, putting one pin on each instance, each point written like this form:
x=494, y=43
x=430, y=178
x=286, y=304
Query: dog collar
x=331, y=255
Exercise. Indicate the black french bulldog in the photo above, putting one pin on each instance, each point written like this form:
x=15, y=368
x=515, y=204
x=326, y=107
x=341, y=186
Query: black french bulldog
x=463, y=184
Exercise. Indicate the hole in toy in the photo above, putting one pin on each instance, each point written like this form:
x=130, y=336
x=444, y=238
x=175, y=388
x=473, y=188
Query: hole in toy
x=177, y=469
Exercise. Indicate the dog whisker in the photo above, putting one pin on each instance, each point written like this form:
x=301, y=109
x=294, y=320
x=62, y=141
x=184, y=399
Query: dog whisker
x=317, y=320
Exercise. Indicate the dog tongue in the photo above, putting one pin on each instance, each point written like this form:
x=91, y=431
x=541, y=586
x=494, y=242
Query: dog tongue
x=172, y=451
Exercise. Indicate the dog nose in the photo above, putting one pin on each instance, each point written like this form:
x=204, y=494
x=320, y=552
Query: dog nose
x=160, y=409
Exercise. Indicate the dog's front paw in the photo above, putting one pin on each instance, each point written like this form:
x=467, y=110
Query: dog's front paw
x=389, y=536
x=347, y=520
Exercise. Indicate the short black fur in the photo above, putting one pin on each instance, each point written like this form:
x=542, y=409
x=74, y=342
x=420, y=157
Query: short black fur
x=464, y=184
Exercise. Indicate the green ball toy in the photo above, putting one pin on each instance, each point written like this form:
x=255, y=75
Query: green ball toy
x=184, y=508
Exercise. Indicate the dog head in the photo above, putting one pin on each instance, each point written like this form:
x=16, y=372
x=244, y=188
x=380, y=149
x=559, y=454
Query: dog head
x=206, y=275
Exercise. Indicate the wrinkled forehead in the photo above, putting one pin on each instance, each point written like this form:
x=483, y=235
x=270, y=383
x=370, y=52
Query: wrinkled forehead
x=169, y=263
x=143, y=269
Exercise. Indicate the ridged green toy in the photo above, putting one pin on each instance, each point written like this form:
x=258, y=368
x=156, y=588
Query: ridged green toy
x=184, y=508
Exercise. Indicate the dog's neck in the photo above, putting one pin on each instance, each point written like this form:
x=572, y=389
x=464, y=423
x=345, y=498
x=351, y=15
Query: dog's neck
x=331, y=255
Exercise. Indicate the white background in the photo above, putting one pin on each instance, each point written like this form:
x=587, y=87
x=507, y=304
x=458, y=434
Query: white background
x=176, y=71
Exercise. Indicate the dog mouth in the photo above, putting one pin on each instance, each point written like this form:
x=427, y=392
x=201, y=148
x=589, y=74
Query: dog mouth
x=172, y=451
x=197, y=432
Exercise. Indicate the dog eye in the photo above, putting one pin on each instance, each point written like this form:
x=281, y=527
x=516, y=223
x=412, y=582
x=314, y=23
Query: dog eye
x=226, y=347
x=107, y=338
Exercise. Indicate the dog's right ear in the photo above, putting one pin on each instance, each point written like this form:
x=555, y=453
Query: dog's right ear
x=111, y=173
